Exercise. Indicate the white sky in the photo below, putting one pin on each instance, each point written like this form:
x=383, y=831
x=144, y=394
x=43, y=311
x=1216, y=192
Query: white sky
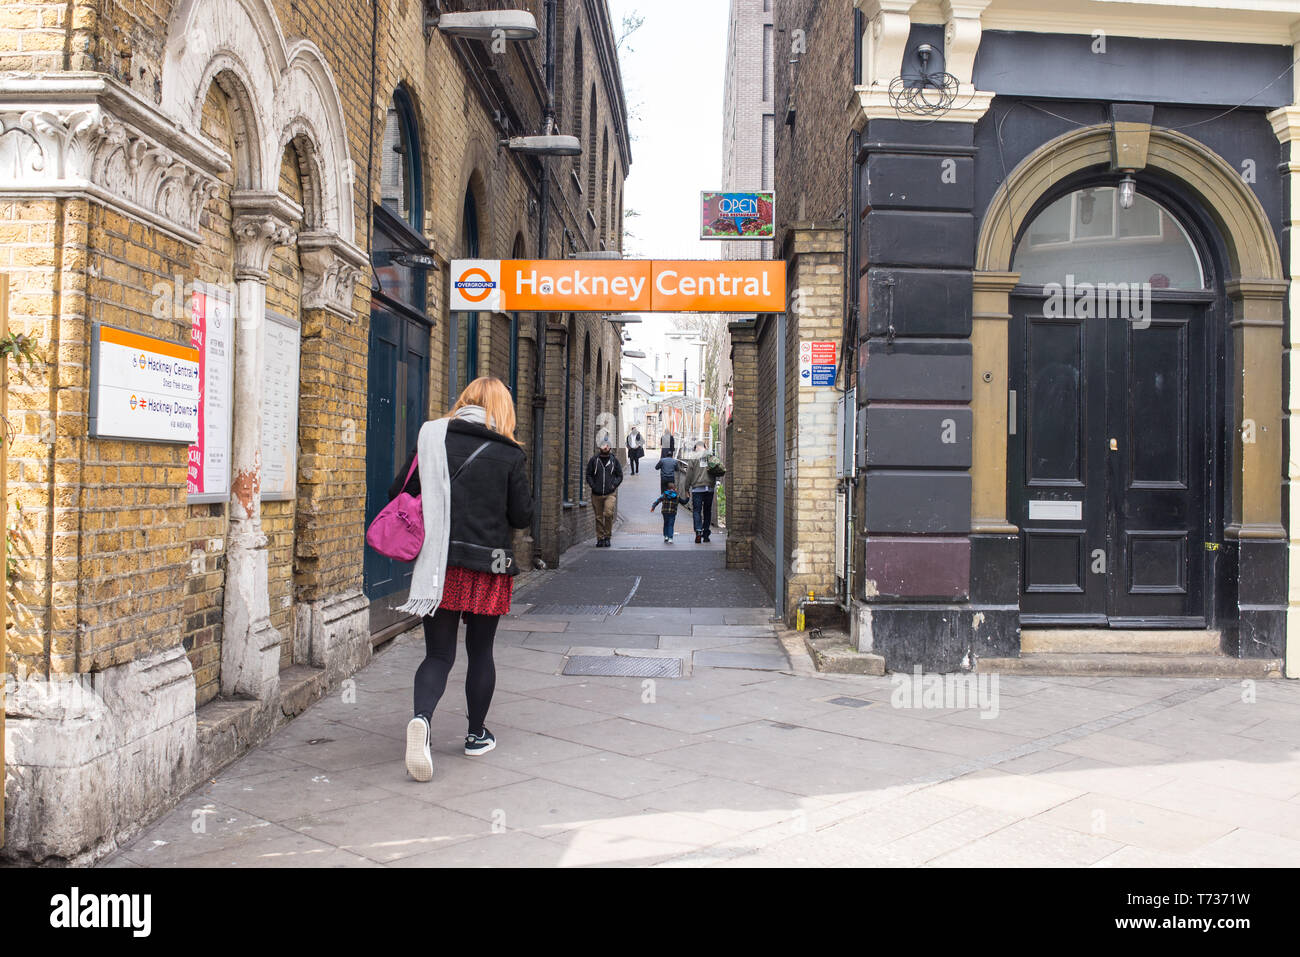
x=673, y=71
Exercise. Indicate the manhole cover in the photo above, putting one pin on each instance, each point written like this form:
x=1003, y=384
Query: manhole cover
x=572, y=610
x=849, y=702
x=623, y=665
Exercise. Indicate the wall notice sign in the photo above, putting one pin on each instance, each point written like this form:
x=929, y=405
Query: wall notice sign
x=280, y=408
x=817, y=363
x=142, y=387
x=212, y=334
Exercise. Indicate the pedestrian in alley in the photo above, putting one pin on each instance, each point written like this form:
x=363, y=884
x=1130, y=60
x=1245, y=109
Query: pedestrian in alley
x=604, y=475
x=635, y=450
x=670, y=501
x=667, y=445
x=703, y=470
x=473, y=484
x=668, y=467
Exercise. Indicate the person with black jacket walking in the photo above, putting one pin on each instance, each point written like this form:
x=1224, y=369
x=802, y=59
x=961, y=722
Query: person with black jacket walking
x=474, y=489
x=669, y=469
x=604, y=475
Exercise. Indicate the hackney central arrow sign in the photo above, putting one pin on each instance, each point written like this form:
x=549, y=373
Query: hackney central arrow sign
x=617, y=285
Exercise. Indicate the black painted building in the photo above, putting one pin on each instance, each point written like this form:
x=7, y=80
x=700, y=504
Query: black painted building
x=1067, y=320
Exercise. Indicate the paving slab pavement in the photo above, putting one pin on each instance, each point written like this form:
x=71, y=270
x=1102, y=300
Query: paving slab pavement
x=753, y=759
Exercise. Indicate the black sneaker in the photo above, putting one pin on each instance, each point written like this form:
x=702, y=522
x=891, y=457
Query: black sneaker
x=419, y=762
x=480, y=743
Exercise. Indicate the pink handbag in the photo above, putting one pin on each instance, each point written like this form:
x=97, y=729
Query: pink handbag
x=398, y=530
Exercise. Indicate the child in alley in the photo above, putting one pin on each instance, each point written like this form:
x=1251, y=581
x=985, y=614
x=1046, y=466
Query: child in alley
x=670, y=502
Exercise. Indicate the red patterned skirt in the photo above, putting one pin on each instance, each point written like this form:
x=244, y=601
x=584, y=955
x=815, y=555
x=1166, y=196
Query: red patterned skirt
x=479, y=593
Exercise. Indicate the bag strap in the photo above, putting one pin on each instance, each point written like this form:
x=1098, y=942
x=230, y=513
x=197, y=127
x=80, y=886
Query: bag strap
x=472, y=456
x=415, y=460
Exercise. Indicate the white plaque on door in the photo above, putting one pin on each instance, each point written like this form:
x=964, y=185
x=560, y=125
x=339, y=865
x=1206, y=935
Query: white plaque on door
x=1047, y=511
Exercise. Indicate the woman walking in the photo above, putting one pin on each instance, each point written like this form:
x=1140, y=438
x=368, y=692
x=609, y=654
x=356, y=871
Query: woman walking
x=473, y=487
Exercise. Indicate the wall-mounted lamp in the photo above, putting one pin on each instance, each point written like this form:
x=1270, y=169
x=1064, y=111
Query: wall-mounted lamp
x=486, y=25
x=414, y=260
x=553, y=145
x=1127, y=190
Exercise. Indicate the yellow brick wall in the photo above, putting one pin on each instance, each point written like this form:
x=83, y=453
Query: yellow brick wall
x=115, y=562
x=214, y=262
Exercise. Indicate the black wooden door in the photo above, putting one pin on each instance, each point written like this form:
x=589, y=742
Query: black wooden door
x=1108, y=465
x=398, y=405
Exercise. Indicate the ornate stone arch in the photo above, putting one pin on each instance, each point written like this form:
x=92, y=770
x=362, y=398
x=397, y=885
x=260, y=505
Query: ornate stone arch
x=1252, y=249
x=282, y=93
x=1256, y=286
x=308, y=102
x=209, y=38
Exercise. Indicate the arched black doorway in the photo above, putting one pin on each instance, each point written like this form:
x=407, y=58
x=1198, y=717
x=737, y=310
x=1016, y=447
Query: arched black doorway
x=1115, y=453
x=398, y=386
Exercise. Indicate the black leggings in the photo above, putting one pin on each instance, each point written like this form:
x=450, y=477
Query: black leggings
x=440, y=654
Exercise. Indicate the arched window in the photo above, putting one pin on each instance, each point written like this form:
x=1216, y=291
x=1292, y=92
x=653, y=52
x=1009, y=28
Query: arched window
x=569, y=348
x=591, y=151
x=1087, y=236
x=464, y=333
x=600, y=397
x=400, y=335
x=604, y=188
x=516, y=252
x=583, y=405
x=400, y=183
x=579, y=86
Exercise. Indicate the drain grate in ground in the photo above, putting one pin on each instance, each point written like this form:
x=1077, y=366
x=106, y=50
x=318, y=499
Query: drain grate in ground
x=572, y=610
x=849, y=702
x=623, y=666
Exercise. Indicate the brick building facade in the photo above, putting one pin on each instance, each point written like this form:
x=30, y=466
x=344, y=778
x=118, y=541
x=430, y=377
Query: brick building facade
x=1018, y=466
x=245, y=150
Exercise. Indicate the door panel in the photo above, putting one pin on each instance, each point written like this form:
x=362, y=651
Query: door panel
x=1160, y=465
x=1057, y=475
x=1108, y=465
x=398, y=405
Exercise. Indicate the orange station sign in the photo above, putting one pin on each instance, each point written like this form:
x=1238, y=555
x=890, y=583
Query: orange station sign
x=617, y=285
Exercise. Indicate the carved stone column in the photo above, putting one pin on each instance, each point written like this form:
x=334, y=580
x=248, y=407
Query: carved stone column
x=250, y=665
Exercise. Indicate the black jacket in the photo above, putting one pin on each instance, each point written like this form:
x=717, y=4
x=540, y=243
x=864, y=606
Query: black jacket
x=669, y=466
x=492, y=496
x=604, y=477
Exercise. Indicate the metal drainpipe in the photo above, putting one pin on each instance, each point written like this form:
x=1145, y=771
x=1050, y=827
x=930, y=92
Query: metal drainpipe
x=779, y=545
x=850, y=336
x=539, y=320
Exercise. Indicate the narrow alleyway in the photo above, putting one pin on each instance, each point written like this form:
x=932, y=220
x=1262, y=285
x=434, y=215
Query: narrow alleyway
x=749, y=758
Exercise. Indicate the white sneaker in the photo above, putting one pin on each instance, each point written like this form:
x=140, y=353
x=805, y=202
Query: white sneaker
x=668, y=541
x=419, y=762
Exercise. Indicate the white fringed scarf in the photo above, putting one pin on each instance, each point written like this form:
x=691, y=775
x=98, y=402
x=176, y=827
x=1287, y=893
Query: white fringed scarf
x=435, y=504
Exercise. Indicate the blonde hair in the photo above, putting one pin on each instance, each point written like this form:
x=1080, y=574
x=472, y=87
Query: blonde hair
x=490, y=393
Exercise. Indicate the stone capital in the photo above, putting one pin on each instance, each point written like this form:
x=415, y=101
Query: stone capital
x=92, y=137
x=262, y=221
x=331, y=269
x=1286, y=123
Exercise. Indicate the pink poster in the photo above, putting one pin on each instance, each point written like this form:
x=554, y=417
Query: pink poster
x=198, y=330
